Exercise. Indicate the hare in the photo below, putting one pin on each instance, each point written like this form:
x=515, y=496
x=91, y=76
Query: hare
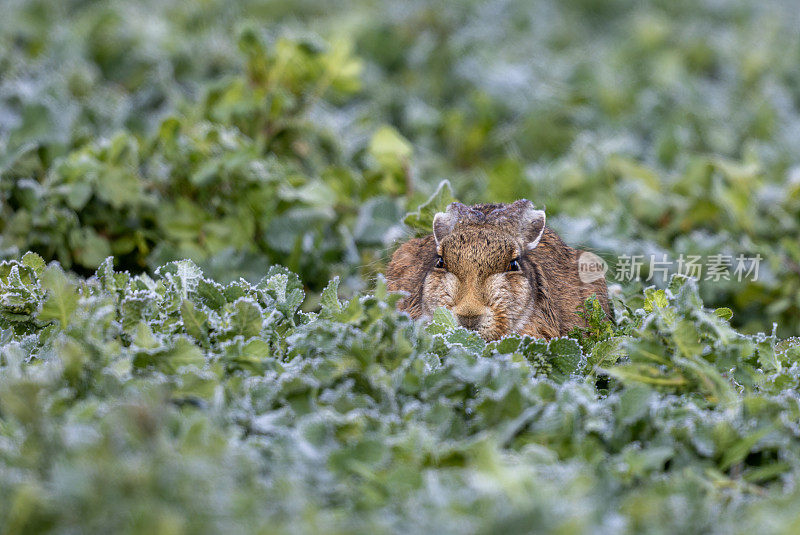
x=499, y=269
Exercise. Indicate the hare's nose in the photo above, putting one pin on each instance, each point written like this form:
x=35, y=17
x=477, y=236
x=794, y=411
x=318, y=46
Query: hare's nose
x=469, y=322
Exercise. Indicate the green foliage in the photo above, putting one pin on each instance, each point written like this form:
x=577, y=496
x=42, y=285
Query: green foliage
x=209, y=186
x=246, y=134
x=207, y=407
x=598, y=326
x=421, y=221
x=188, y=396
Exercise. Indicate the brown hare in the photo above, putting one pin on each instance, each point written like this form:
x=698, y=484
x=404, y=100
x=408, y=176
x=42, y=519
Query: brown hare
x=499, y=269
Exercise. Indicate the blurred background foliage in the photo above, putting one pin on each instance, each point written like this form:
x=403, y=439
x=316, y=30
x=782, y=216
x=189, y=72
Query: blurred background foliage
x=245, y=134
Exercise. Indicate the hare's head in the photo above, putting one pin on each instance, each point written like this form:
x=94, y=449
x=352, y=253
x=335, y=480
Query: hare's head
x=481, y=272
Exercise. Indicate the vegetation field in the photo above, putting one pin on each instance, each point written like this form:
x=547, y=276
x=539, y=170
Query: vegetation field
x=197, y=201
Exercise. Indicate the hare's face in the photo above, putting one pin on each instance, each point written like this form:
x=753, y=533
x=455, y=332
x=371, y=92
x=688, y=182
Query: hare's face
x=482, y=276
x=482, y=272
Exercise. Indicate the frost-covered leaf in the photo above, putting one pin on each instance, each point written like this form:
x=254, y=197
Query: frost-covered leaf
x=329, y=299
x=34, y=261
x=170, y=359
x=566, y=355
x=62, y=296
x=195, y=321
x=245, y=318
x=442, y=321
x=421, y=221
x=183, y=274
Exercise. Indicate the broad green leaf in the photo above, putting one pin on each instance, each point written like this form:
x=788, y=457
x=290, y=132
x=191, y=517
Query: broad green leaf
x=647, y=374
x=181, y=353
x=62, y=297
x=211, y=294
x=88, y=247
x=389, y=148
x=634, y=403
x=245, y=318
x=421, y=221
x=195, y=321
x=687, y=339
x=442, y=321
x=566, y=355
x=34, y=261
x=469, y=339
x=607, y=352
x=329, y=299
x=251, y=356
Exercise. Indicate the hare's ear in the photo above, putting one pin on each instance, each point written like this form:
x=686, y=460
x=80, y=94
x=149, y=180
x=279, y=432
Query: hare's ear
x=532, y=225
x=444, y=222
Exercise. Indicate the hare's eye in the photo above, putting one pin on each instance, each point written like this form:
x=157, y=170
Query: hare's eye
x=513, y=265
x=439, y=262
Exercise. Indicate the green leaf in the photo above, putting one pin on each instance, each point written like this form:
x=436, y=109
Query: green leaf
x=352, y=313
x=182, y=353
x=687, y=338
x=655, y=299
x=566, y=355
x=607, y=352
x=738, y=451
x=766, y=472
x=105, y=274
x=34, y=261
x=442, y=321
x=507, y=345
x=633, y=403
x=389, y=148
x=647, y=374
x=421, y=221
x=329, y=299
x=251, y=356
x=246, y=319
x=78, y=194
x=211, y=294
x=118, y=187
x=195, y=321
x=88, y=247
x=62, y=297
x=724, y=313
x=134, y=309
x=469, y=339
x=194, y=384
x=183, y=274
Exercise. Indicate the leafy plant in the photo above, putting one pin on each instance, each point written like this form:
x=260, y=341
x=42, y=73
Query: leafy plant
x=243, y=136
x=151, y=393
x=207, y=406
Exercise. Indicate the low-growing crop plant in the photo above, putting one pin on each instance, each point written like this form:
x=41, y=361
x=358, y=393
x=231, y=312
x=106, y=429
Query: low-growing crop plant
x=173, y=402
x=240, y=136
x=159, y=373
